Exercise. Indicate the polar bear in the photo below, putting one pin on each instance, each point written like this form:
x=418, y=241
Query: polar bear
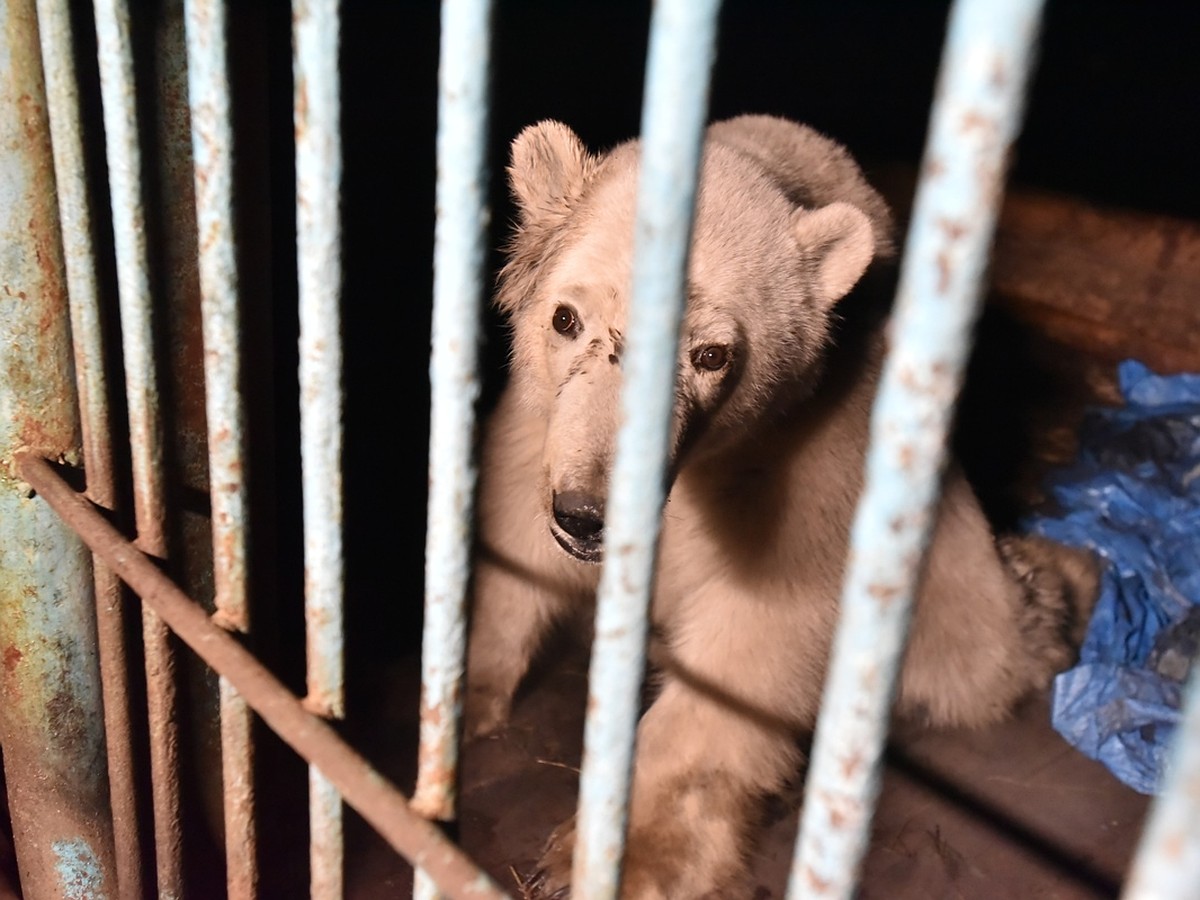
x=767, y=447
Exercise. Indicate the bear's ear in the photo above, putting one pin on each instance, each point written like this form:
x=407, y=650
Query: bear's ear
x=837, y=242
x=548, y=170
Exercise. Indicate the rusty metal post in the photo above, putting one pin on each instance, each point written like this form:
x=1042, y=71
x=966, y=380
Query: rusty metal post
x=678, y=69
x=1167, y=865
x=365, y=789
x=317, y=115
x=212, y=150
x=459, y=236
x=118, y=93
x=51, y=724
x=986, y=62
x=74, y=205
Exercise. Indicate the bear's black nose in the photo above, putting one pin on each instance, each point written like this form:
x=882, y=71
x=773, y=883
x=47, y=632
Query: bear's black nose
x=580, y=515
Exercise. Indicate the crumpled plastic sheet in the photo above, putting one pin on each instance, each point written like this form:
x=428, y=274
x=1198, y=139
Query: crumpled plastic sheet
x=1133, y=496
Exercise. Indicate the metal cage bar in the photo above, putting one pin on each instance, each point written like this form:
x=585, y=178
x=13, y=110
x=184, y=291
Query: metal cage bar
x=1167, y=864
x=51, y=723
x=79, y=252
x=377, y=800
x=682, y=37
x=118, y=95
x=460, y=233
x=976, y=114
x=213, y=154
x=317, y=115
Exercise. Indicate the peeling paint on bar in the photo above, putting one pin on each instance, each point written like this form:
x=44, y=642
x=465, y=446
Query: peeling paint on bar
x=682, y=38
x=212, y=154
x=326, y=843
x=81, y=877
x=379, y=802
x=75, y=214
x=118, y=95
x=985, y=66
x=1167, y=865
x=462, y=219
x=51, y=723
x=317, y=114
x=460, y=233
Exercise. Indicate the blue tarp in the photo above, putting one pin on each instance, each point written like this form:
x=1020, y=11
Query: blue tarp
x=1134, y=497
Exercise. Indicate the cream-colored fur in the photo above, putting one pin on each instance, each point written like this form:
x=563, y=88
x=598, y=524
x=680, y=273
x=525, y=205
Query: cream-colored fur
x=768, y=440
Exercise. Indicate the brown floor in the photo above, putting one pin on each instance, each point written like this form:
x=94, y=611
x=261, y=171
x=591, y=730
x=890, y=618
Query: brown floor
x=1010, y=811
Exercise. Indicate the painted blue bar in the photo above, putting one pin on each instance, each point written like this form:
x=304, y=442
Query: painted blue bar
x=985, y=65
x=79, y=252
x=317, y=115
x=458, y=294
x=682, y=35
x=1167, y=865
x=62, y=100
x=213, y=155
x=133, y=280
x=51, y=722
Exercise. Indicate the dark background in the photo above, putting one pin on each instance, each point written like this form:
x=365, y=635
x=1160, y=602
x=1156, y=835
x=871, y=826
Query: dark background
x=1112, y=117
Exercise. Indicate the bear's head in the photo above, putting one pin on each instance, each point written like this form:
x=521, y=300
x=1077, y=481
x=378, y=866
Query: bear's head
x=776, y=243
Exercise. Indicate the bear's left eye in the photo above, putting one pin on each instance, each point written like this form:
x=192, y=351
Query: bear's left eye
x=565, y=321
x=713, y=357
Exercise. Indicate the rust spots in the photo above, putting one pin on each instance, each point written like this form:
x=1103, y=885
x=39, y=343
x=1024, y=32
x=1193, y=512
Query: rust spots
x=818, y=884
x=975, y=121
x=884, y=593
x=954, y=229
x=12, y=658
x=933, y=168
x=301, y=101
x=907, y=455
x=851, y=765
x=945, y=269
x=999, y=75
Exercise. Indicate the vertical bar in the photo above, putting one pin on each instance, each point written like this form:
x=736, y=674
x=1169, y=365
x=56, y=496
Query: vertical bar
x=1167, y=865
x=458, y=292
x=51, y=724
x=682, y=35
x=212, y=154
x=985, y=65
x=317, y=114
x=74, y=206
x=461, y=230
x=118, y=94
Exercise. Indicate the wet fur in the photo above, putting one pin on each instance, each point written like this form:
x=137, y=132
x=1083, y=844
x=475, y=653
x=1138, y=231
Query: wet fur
x=766, y=462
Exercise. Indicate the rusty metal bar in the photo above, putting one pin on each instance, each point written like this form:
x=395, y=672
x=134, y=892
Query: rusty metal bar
x=1167, y=865
x=51, y=720
x=679, y=65
x=75, y=213
x=981, y=89
x=459, y=239
x=317, y=114
x=118, y=95
x=376, y=799
x=213, y=154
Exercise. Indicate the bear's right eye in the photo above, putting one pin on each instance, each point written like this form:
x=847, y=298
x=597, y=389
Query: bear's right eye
x=714, y=357
x=565, y=321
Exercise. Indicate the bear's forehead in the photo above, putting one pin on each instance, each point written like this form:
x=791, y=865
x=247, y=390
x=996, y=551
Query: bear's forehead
x=743, y=230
